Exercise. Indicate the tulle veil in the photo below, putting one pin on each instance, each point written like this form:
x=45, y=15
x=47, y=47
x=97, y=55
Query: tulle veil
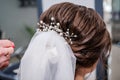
x=48, y=57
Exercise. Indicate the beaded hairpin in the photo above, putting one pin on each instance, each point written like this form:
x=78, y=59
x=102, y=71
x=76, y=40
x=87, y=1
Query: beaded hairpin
x=55, y=26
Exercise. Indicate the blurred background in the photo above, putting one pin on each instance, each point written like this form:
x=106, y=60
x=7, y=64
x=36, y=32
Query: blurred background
x=18, y=20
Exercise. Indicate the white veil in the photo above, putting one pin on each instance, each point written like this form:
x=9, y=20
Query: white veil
x=48, y=57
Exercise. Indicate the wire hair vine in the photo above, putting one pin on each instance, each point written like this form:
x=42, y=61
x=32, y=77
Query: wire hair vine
x=55, y=26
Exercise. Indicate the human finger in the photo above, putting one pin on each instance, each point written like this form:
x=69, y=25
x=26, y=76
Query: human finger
x=6, y=43
x=5, y=64
x=3, y=59
x=9, y=50
x=6, y=51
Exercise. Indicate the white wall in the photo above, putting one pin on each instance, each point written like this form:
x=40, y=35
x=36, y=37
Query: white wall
x=48, y=3
x=13, y=19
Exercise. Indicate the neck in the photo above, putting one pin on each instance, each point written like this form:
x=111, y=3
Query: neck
x=81, y=72
x=79, y=77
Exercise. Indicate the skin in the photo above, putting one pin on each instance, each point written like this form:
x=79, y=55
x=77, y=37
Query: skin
x=6, y=49
x=83, y=71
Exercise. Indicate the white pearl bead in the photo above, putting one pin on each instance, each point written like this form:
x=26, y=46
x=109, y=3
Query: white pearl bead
x=52, y=18
x=41, y=22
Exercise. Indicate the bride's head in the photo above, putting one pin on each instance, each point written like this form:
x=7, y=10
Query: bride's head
x=93, y=40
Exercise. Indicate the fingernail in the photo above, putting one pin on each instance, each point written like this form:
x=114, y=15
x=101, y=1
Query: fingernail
x=13, y=46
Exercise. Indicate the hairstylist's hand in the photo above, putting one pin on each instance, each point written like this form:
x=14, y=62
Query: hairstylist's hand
x=6, y=49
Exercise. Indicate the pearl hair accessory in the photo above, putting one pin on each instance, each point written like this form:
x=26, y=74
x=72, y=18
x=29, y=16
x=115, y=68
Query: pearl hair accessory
x=55, y=26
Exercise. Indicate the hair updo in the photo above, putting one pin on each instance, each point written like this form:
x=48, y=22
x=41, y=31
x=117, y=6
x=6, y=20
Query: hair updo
x=93, y=40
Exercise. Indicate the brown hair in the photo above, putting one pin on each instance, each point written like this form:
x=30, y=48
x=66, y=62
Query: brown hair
x=93, y=41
